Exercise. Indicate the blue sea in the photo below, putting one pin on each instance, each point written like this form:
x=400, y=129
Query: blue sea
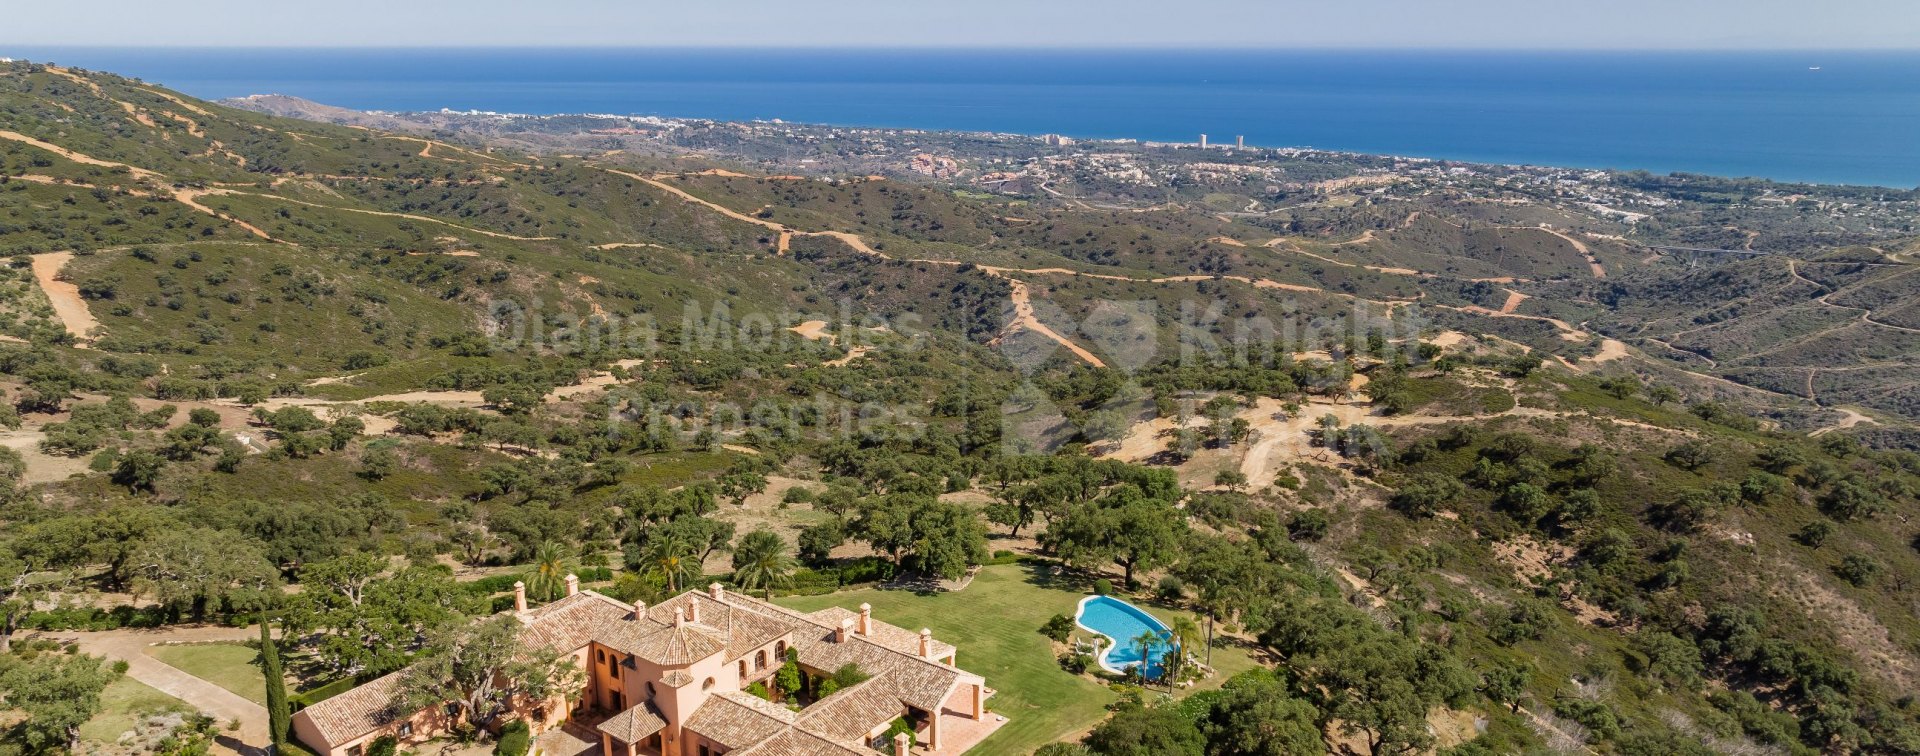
x=1854, y=120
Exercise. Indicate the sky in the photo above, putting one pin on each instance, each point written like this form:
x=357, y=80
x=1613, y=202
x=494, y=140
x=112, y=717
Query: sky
x=1412, y=24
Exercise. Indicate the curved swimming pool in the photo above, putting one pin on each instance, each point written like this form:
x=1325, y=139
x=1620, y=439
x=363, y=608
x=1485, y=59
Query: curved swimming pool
x=1123, y=624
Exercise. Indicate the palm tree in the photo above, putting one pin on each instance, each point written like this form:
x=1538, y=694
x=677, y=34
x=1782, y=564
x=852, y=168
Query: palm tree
x=761, y=561
x=549, y=571
x=1186, y=633
x=1145, y=642
x=670, y=555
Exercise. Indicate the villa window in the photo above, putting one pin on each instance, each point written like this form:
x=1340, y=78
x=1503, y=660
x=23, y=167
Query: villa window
x=406, y=729
x=743, y=668
x=600, y=655
x=759, y=660
x=708, y=685
x=780, y=650
x=614, y=671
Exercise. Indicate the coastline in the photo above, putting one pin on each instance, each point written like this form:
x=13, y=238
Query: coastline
x=1762, y=115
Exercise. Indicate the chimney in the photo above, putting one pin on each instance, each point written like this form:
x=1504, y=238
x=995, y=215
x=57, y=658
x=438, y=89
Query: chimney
x=902, y=744
x=693, y=610
x=866, y=619
x=519, y=596
x=573, y=584
x=679, y=616
x=639, y=611
x=926, y=643
x=714, y=590
x=840, y=633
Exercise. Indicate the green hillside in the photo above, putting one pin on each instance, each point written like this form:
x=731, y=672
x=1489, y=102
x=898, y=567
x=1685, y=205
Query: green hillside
x=1454, y=480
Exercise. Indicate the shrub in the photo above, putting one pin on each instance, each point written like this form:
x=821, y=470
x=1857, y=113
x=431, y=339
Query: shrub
x=1859, y=571
x=1309, y=525
x=1593, y=715
x=1103, y=587
x=1076, y=664
x=1815, y=533
x=1059, y=628
x=759, y=690
x=866, y=570
x=797, y=495
x=385, y=745
x=899, y=725
x=515, y=739
x=1170, y=588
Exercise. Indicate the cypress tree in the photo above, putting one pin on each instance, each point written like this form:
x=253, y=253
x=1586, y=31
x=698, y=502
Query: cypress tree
x=277, y=712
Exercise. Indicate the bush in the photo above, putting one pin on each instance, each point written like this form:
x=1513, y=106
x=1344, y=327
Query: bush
x=797, y=495
x=759, y=690
x=866, y=570
x=384, y=745
x=1171, y=588
x=1076, y=664
x=515, y=739
x=899, y=725
x=1815, y=533
x=322, y=693
x=1059, y=628
x=1103, y=587
x=1308, y=525
x=1859, y=571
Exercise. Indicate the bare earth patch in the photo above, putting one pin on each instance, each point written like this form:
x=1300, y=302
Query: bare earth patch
x=68, y=305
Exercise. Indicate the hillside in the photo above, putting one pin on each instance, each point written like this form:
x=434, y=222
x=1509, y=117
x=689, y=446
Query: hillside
x=1433, y=449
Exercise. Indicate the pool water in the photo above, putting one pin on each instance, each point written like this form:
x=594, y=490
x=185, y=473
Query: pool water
x=1123, y=623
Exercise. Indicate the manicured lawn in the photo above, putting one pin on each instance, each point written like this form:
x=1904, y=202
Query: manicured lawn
x=122, y=705
x=995, y=623
x=227, y=665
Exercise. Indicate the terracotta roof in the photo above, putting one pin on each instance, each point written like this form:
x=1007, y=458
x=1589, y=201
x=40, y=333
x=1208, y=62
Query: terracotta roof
x=730, y=623
x=566, y=625
x=801, y=743
x=848, y=715
x=634, y=724
x=356, y=712
x=892, y=636
x=744, y=630
x=738, y=720
x=672, y=646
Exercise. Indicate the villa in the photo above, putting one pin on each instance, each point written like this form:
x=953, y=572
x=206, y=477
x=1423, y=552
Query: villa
x=673, y=679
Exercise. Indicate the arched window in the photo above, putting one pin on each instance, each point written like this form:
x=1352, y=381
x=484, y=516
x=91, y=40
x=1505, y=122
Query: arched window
x=759, y=660
x=780, y=650
x=743, y=668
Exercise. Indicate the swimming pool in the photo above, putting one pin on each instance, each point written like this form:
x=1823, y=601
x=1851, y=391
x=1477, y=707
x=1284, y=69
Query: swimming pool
x=1122, y=623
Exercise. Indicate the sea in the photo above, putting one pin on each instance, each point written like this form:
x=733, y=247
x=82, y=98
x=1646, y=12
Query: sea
x=1826, y=117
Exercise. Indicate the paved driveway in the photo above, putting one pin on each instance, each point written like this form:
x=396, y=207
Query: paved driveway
x=221, y=704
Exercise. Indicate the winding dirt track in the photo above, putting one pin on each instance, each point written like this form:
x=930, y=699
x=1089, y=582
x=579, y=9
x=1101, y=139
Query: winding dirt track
x=80, y=158
x=68, y=305
x=1848, y=419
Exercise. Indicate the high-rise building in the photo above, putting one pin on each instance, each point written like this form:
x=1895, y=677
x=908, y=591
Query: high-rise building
x=1203, y=141
x=1240, y=142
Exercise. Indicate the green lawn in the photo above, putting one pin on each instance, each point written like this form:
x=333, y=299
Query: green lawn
x=227, y=665
x=123, y=704
x=995, y=623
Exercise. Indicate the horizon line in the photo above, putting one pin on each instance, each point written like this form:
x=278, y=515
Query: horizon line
x=1196, y=48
